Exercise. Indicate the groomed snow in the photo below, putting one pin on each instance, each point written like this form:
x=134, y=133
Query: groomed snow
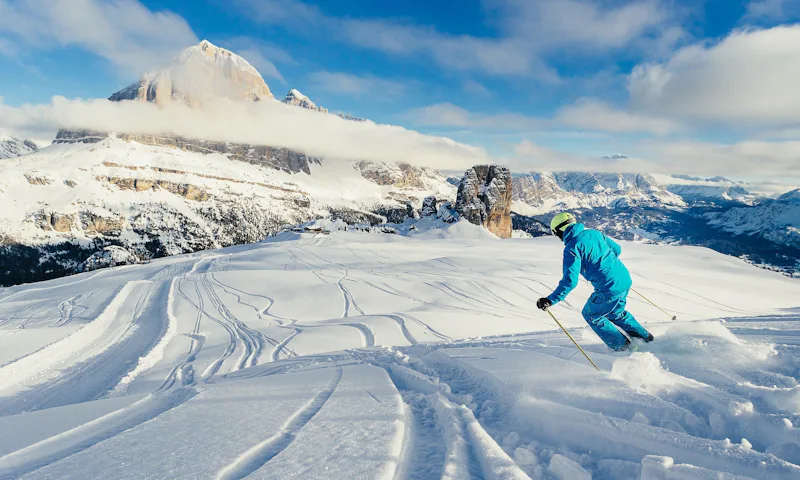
x=360, y=355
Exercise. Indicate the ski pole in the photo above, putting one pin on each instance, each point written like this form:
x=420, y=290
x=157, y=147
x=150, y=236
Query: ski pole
x=673, y=317
x=573, y=340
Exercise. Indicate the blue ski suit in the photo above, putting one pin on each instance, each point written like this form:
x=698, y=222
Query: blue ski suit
x=595, y=256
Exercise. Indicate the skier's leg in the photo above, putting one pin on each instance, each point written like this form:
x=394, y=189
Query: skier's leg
x=595, y=313
x=624, y=320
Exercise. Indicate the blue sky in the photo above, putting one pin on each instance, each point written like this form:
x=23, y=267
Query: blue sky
x=654, y=79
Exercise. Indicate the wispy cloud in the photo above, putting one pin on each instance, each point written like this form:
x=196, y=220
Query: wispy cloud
x=596, y=115
x=260, y=123
x=774, y=159
x=449, y=115
x=261, y=55
x=771, y=10
x=124, y=32
x=358, y=85
x=476, y=88
x=586, y=114
x=528, y=32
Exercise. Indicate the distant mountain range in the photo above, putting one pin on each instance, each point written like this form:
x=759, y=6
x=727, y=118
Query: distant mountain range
x=714, y=212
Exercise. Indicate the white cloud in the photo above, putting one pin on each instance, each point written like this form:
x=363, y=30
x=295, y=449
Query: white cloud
x=595, y=115
x=586, y=114
x=274, y=12
x=753, y=160
x=8, y=48
x=124, y=32
x=529, y=31
x=357, y=85
x=756, y=158
x=593, y=25
x=328, y=136
x=749, y=78
x=449, y=115
x=260, y=123
x=476, y=88
x=771, y=9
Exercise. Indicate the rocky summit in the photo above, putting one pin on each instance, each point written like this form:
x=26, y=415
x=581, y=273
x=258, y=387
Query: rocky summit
x=484, y=198
x=200, y=72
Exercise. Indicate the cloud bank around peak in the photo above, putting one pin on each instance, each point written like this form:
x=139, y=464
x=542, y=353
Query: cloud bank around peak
x=261, y=123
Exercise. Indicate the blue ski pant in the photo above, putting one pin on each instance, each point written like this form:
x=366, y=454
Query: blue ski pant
x=606, y=314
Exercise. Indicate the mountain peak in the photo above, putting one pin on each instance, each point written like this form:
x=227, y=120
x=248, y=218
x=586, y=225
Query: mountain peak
x=205, y=45
x=294, y=97
x=791, y=197
x=200, y=72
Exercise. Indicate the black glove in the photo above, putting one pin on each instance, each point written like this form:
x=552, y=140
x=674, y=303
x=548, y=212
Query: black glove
x=544, y=303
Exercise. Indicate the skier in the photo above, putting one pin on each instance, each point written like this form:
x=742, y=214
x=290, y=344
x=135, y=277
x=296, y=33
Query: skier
x=596, y=257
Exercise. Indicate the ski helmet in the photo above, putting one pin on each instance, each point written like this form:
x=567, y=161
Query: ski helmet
x=560, y=223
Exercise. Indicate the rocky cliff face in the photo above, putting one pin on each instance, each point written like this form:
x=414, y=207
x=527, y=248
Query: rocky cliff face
x=198, y=73
x=278, y=158
x=484, y=198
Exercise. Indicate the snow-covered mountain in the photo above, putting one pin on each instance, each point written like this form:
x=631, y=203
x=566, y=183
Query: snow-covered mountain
x=776, y=220
x=70, y=200
x=11, y=147
x=199, y=72
x=547, y=192
x=155, y=195
x=539, y=193
x=718, y=191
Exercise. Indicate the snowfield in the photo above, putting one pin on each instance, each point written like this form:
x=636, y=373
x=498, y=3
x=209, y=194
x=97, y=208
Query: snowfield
x=365, y=356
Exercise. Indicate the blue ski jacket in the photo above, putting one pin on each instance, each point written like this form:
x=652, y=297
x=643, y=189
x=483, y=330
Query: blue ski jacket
x=595, y=256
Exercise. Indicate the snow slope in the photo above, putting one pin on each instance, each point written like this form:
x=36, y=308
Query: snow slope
x=358, y=355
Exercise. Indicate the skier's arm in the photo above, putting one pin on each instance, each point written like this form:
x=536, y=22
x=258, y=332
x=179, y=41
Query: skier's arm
x=614, y=246
x=572, y=270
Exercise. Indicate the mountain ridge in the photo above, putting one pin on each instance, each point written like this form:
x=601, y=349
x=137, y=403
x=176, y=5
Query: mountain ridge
x=11, y=147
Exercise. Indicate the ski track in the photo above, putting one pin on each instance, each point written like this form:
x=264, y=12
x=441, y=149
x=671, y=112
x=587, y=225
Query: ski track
x=470, y=452
x=250, y=339
x=367, y=336
x=101, y=365
x=259, y=455
x=56, y=448
x=282, y=346
x=230, y=348
x=401, y=324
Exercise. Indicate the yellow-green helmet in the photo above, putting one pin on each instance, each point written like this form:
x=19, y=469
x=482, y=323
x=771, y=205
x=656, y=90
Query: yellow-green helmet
x=560, y=223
